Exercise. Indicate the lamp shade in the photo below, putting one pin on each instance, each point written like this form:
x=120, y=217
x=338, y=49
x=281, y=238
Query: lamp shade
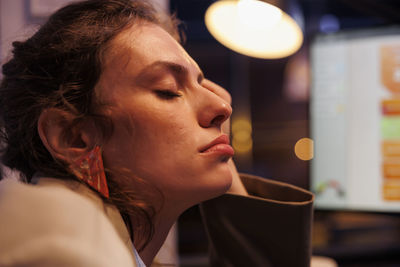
x=254, y=28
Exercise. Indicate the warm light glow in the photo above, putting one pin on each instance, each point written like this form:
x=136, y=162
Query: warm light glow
x=242, y=141
x=258, y=14
x=253, y=28
x=304, y=149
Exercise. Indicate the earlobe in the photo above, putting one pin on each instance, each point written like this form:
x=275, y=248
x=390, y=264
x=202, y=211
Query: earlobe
x=62, y=139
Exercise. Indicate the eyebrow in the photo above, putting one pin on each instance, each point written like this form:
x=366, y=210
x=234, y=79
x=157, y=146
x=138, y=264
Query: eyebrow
x=151, y=72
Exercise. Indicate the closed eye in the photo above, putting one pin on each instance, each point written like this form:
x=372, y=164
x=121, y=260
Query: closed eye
x=166, y=94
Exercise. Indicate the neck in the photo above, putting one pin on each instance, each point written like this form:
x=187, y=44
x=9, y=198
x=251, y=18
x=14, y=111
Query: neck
x=162, y=225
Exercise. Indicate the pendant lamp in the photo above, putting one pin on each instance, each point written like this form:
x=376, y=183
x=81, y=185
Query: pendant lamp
x=254, y=28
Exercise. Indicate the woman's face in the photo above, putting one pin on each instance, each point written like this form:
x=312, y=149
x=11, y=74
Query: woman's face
x=167, y=117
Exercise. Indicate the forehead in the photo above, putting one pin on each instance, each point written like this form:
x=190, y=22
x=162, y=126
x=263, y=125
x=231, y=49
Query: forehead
x=141, y=45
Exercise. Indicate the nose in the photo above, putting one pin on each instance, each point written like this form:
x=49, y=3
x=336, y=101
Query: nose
x=213, y=109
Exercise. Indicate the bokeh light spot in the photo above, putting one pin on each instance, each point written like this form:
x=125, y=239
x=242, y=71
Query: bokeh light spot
x=241, y=135
x=304, y=149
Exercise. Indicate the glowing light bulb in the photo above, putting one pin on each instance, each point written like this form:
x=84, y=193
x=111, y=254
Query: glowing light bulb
x=254, y=28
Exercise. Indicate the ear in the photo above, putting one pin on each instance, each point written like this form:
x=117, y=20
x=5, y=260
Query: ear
x=64, y=140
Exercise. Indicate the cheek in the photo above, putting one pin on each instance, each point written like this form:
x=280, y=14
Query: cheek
x=164, y=142
x=143, y=140
x=165, y=149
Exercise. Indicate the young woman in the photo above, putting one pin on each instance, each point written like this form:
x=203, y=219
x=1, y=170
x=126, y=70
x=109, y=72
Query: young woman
x=116, y=132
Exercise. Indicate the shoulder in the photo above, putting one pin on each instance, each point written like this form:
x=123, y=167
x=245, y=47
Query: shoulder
x=53, y=225
x=15, y=194
x=37, y=208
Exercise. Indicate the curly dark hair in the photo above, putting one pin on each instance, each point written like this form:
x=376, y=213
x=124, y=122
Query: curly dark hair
x=58, y=67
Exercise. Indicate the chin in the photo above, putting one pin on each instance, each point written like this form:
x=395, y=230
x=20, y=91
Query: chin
x=219, y=186
x=209, y=185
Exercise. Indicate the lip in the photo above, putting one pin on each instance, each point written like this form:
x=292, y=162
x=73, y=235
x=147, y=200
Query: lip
x=219, y=145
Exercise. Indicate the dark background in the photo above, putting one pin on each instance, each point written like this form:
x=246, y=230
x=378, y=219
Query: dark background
x=278, y=121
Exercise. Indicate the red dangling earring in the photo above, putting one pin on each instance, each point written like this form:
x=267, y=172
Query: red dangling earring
x=89, y=168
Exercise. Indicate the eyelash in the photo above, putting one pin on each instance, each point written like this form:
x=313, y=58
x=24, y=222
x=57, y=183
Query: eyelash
x=166, y=94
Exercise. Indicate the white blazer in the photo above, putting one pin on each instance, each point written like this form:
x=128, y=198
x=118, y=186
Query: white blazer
x=60, y=223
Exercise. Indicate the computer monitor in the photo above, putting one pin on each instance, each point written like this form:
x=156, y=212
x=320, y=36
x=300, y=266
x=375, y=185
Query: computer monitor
x=355, y=120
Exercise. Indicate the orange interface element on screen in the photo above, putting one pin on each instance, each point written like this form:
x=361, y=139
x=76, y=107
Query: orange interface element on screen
x=390, y=67
x=390, y=122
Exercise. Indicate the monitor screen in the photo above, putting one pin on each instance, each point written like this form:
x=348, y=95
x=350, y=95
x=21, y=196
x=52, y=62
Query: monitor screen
x=355, y=120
